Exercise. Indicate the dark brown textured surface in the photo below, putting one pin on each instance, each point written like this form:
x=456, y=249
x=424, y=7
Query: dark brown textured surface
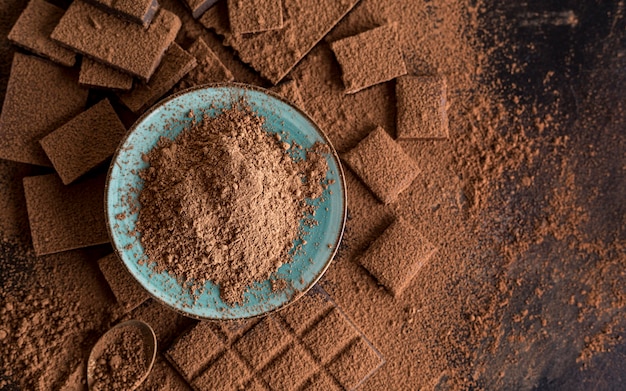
x=94, y=74
x=191, y=353
x=397, y=255
x=32, y=32
x=65, y=217
x=369, y=58
x=354, y=364
x=422, y=111
x=97, y=34
x=126, y=289
x=84, y=142
x=262, y=342
x=199, y=7
x=382, y=165
x=255, y=16
x=227, y=373
x=274, y=53
x=137, y=11
x=209, y=69
x=176, y=63
x=33, y=109
x=289, y=90
x=289, y=370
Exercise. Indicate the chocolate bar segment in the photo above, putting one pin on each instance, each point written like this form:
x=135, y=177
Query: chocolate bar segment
x=253, y=16
x=199, y=7
x=137, y=11
x=97, y=75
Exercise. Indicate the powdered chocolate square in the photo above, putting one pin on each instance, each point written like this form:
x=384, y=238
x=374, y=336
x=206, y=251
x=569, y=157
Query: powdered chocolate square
x=320, y=382
x=33, y=108
x=163, y=377
x=84, y=142
x=176, y=63
x=125, y=288
x=123, y=45
x=355, y=364
x=369, y=58
x=136, y=11
x=97, y=75
x=209, y=69
x=290, y=369
x=260, y=344
x=226, y=373
x=232, y=330
x=65, y=217
x=382, y=165
x=421, y=104
x=290, y=91
x=253, y=16
x=306, y=311
x=33, y=28
x=397, y=255
x=199, y=7
x=329, y=335
x=274, y=53
x=194, y=350
x=166, y=323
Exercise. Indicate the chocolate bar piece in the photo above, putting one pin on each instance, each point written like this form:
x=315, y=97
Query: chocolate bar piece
x=33, y=28
x=136, y=11
x=253, y=16
x=84, y=142
x=199, y=7
x=176, y=63
x=125, y=46
x=34, y=107
x=209, y=69
x=97, y=75
x=369, y=58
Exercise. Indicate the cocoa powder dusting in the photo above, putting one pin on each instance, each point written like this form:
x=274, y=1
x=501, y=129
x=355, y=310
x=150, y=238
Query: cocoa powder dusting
x=122, y=363
x=216, y=195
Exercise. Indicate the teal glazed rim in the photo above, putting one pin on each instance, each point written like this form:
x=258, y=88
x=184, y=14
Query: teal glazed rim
x=168, y=118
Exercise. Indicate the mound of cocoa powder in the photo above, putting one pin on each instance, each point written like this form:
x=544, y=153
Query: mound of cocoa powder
x=224, y=200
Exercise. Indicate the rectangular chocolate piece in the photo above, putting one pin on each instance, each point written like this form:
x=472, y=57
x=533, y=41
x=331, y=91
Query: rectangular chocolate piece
x=33, y=28
x=122, y=45
x=227, y=373
x=254, y=16
x=199, y=7
x=176, y=64
x=84, y=142
x=94, y=74
x=265, y=340
x=136, y=11
x=194, y=350
x=209, y=69
x=125, y=288
x=274, y=53
x=355, y=364
x=369, y=58
x=34, y=107
x=290, y=369
x=65, y=217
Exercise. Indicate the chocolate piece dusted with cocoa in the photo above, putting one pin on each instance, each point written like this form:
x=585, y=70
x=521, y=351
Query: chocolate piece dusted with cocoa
x=210, y=68
x=290, y=369
x=199, y=7
x=84, y=142
x=320, y=382
x=369, y=58
x=65, y=217
x=274, y=53
x=137, y=11
x=33, y=108
x=382, y=165
x=125, y=288
x=263, y=342
x=422, y=112
x=290, y=91
x=397, y=255
x=33, y=28
x=176, y=64
x=227, y=373
x=355, y=364
x=163, y=377
x=191, y=353
x=123, y=45
x=329, y=336
x=253, y=16
x=94, y=74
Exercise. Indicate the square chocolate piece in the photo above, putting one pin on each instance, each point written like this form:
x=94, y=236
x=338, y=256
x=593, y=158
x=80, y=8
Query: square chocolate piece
x=306, y=311
x=209, y=69
x=65, y=217
x=34, y=107
x=123, y=45
x=199, y=7
x=355, y=364
x=397, y=255
x=33, y=28
x=194, y=350
x=329, y=335
x=260, y=344
x=290, y=369
x=136, y=11
x=84, y=142
x=253, y=16
x=176, y=64
x=369, y=58
x=227, y=373
x=382, y=165
x=125, y=288
x=320, y=382
x=97, y=75
x=422, y=110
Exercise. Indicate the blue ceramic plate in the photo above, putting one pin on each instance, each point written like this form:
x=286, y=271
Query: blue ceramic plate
x=168, y=118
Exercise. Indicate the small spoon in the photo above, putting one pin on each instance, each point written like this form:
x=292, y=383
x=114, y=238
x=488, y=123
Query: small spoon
x=150, y=348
